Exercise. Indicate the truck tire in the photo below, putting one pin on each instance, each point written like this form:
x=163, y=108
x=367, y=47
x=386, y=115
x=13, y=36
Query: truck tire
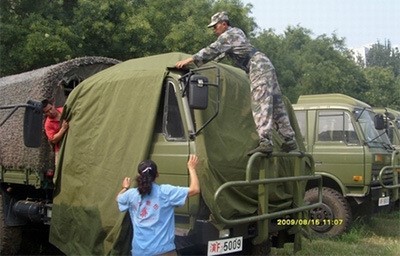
x=10, y=237
x=334, y=216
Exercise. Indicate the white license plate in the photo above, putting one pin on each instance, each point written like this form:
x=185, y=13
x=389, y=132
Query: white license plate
x=384, y=201
x=223, y=246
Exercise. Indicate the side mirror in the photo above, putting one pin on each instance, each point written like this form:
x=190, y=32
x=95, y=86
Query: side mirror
x=33, y=121
x=379, y=122
x=198, y=92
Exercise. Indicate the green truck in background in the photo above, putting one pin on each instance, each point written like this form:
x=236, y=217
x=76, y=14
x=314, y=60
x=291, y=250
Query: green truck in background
x=145, y=108
x=358, y=164
x=392, y=129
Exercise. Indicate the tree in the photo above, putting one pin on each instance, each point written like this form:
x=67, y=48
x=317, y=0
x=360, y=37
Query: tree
x=31, y=35
x=190, y=34
x=310, y=66
x=382, y=71
x=384, y=88
x=383, y=55
x=48, y=32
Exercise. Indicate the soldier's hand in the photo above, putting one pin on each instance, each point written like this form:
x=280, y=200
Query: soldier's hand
x=182, y=63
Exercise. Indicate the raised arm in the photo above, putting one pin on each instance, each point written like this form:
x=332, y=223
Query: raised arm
x=194, y=187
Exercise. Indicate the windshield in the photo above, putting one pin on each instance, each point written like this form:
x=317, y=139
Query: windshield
x=373, y=137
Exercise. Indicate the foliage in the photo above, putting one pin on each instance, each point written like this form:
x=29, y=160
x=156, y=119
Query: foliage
x=384, y=87
x=382, y=72
x=311, y=66
x=31, y=35
x=49, y=32
x=383, y=55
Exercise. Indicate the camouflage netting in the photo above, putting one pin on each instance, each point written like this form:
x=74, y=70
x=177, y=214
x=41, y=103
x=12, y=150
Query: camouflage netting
x=52, y=82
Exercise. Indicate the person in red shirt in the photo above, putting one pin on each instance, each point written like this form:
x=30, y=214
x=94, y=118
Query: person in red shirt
x=53, y=128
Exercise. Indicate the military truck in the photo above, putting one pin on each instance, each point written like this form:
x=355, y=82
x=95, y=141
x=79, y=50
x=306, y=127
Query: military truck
x=26, y=172
x=357, y=162
x=146, y=109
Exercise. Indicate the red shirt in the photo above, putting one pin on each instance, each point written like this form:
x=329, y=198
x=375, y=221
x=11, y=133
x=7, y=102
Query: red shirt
x=51, y=127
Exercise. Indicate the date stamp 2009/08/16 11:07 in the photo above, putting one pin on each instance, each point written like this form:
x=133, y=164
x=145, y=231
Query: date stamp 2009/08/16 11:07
x=306, y=222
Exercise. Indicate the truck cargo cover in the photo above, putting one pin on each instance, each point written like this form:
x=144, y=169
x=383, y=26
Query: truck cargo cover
x=111, y=117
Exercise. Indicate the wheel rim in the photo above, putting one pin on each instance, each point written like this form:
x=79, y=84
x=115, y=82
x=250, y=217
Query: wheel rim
x=322, y=214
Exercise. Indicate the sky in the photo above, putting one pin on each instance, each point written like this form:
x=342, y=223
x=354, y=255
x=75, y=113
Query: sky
x=360, y=22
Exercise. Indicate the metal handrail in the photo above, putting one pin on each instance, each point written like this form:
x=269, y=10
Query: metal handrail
x=248, y=181
x=394, y=168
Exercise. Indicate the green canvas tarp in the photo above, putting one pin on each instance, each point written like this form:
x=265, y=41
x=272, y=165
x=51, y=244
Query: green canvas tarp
x=112, y=116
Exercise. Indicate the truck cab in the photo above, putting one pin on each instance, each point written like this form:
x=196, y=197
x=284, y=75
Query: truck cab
x=352, y=157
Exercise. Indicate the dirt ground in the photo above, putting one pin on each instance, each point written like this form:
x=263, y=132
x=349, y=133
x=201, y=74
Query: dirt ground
x=35, y=241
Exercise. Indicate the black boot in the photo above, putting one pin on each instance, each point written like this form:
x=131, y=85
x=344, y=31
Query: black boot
x=288, y=145
x=264, y=147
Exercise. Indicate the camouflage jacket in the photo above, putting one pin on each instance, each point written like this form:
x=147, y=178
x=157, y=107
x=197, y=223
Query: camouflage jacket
x=234, y=43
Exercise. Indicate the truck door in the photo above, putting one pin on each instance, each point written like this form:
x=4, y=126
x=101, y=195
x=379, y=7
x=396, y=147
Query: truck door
x=337, y=149
x=170, y=148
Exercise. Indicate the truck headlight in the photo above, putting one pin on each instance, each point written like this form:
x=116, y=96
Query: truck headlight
x=224, y=233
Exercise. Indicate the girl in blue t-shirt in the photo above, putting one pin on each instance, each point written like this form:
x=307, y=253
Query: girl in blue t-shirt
x=151, y=208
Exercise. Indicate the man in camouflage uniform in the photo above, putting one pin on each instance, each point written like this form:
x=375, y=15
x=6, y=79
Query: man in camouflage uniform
x=267, y=106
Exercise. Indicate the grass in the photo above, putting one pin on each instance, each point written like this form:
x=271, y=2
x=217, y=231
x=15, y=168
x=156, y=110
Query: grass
x=379, y=235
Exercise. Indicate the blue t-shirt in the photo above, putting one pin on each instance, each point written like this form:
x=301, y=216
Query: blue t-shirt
x=153, y=217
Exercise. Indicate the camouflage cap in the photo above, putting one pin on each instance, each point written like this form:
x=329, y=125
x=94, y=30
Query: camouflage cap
x=219, y=16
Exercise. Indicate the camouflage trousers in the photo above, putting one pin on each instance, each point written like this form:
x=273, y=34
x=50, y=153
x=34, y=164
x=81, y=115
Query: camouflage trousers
x=269, y=111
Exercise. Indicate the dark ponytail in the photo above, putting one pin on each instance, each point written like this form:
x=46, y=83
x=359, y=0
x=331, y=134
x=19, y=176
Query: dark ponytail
x=147, y=174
